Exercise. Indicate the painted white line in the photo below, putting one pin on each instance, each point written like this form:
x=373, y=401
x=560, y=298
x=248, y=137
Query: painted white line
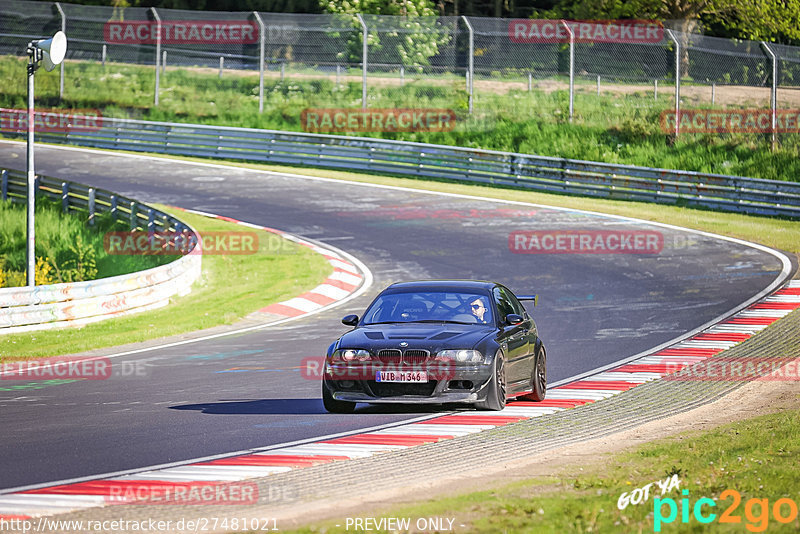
x=636, y=378
x=299, y=303
x=580, y=394
x=211, y=473
x=765, y=314
x=330, y=291
x=736, y=328
x=434, y=430
x=346, y=278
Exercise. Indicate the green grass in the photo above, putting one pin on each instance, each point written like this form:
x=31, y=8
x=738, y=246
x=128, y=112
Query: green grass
x=57, y=238
x=610, y=128
x=756, y=457
x=230, y=287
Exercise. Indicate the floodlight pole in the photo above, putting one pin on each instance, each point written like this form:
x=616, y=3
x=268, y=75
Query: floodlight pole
x=33, y=55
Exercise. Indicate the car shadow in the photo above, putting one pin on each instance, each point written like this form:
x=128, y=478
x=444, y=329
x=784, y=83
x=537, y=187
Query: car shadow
x=257, y=407
x=302, y=407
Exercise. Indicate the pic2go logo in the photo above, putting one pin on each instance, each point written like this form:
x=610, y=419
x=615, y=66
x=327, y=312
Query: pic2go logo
x=756, y=511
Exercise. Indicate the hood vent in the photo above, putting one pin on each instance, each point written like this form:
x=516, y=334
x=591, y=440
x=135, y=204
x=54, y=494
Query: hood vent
x=374, y=335
x=444, y=335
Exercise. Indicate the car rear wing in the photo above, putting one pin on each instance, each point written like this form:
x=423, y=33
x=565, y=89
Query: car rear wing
x=534, y=298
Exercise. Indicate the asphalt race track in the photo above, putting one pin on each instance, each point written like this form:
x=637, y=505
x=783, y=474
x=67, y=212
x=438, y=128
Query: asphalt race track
x=594, y=309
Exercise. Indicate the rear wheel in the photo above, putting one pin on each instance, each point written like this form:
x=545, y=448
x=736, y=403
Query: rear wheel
x=333, y=405
x=539, y=375
x=496, y=391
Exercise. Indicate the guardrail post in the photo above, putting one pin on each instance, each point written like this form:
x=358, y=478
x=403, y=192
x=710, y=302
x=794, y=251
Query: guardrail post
x=262, y=30
x=677, y=82
x=571, y=68
x=92, y=201
x=773, y=94
x=471, y=65
x=151, y=221
x=113, y=208
x=65, y=197
x=134, y=220
x=158, y=52
x=63, y=29
x=364, y=51
x=4, y=184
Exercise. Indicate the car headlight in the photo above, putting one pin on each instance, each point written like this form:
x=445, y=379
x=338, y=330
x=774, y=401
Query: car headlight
x=351, y=355
x=473, y=356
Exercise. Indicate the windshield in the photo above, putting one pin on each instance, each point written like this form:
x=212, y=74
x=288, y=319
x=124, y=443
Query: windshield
x=450, y=307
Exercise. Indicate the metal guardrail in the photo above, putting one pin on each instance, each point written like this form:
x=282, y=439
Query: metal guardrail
x=55, y=305
x=538, y=173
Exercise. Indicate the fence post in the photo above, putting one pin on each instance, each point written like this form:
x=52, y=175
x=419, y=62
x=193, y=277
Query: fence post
x=677, y=81
x=261, y=36
x=92, y=201
x=364, y=50
x=773, y=94
x=104, y=53
x=158, y=52
x=598, y=85
x=221, y=65
x=338, y=70
x=4, y=184
x=571, y=68
x=65, y=197
x=134, y=220
x=283, y=71
x=655, y=89
x=63, y=29
x=471, y=65
x=164, y=62
x=713, y=93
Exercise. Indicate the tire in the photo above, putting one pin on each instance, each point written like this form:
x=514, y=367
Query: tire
x=335, y=406
x=496, y=391
x=539, y=376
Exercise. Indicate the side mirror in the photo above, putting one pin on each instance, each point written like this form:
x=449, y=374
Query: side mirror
x=350, y=320
x=513, y=318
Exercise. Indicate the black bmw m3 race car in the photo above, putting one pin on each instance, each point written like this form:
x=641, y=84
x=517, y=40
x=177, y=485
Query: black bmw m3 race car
x=437, y=342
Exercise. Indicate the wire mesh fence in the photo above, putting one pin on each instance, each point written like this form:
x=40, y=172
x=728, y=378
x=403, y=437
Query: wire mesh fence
x=268, y=69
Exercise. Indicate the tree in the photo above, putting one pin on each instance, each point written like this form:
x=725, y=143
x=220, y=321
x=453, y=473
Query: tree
x=411, y=40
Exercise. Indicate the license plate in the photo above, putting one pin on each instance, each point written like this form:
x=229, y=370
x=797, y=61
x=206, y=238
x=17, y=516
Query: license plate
x=401, y=376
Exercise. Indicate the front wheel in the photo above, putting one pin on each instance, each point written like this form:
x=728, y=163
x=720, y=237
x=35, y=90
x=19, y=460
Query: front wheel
x=539, y=375
x=333, y=405
x=496, y=391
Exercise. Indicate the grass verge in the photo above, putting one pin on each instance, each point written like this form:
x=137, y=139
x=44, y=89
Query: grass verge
x=230, y=287
x=612, y=128
x=757, y=458
x=71, y=250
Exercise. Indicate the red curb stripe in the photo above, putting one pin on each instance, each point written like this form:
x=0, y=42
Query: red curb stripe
x=496, y=420
x=618, y=385
x=553, y=403
x=339, y=284
x=689, y=351
x=277, y=460
x=722, y=336
x=345, y=271
x=282, y=309
x=650, y=368
x=317, y=298
x=407, y=440
x=106, y=487
x=788, y=291
x=775, y=306
x=750, y=320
